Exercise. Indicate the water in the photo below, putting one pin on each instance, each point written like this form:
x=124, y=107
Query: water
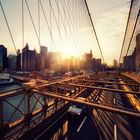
x=20, y=101
x=4, y=88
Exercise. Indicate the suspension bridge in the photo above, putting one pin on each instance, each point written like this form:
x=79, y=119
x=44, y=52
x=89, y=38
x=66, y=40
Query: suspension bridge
x=111, y=98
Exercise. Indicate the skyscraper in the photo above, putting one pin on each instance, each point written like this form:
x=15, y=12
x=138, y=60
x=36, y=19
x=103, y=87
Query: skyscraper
x=43, y=50
x=88, y=60
x=18, y=61
x=12, y=62
x=3, y=58
x=28, y=59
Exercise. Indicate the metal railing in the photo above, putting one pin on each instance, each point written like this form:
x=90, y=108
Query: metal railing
x=22, y=110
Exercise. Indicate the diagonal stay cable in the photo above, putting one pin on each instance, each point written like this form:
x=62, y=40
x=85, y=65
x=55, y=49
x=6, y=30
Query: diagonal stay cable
x=33, y=22
x=133, y=32
x=47, y=24
x=70, y=27
x=8, y=26
x=94, y=31
x=130, y=9
x=72, y=12
x=63, y=23
x=71, y=19
x=56, y=22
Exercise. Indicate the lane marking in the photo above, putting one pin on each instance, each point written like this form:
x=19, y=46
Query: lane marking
x=49, y=126
x=97, y=97
x=114, y=101
x=81, y=124
x=115, y=132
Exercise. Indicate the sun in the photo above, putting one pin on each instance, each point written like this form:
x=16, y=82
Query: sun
x=71, y=52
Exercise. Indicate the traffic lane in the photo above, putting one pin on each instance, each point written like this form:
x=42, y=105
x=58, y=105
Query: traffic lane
x=53, y=128
x=82, y=128
x=113, y=126
x=75, y=128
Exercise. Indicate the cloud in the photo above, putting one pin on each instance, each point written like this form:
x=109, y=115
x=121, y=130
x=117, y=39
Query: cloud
x=110, y=27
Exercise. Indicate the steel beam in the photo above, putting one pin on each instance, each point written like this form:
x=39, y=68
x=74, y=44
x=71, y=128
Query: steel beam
x=121, y=111
x=106, y=89
x=11, y=93
x=104, y=82
x=62, y=80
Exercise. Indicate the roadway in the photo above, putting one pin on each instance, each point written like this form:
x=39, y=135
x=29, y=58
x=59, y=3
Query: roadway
x=96, y=124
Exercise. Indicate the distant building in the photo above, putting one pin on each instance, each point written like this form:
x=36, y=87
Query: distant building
x=129, y=62
x=54, y=61
x=44, y=50
x=132, y=62
x=137, y=59
x=3, y=58
x=28, y=59
x=96, y=65
x=12, y=59
x=42, y=58
x=18, y=61
x=88, y=60
x=115, y=64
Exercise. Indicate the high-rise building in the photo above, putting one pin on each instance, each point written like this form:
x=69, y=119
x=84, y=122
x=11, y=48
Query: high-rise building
x=28, y=59
x=96, y=65
x=44, y=50
x=12, y=59
x=88, y=60
x=43, y=57
x=18, y=60
x=3, y=58
x=54, y=60
x=129, y=62
x=115, y=63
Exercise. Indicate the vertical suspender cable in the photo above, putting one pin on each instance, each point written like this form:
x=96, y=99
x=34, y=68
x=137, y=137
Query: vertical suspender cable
x=58, y=10
x=49, y=29
x=22, y=32
x=22, y=23
x=50, y=21
x=39, y=19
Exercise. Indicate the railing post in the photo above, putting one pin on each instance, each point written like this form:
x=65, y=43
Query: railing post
x=4, y=128
x=56, y=103
x=28, y=115
x=45, y=107
x=1, y=119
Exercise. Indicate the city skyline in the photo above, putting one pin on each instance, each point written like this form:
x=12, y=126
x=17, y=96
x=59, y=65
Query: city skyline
x=107, y=18
x=70, y=69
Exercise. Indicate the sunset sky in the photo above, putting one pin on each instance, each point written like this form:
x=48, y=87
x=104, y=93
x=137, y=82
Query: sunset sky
x=109, y=17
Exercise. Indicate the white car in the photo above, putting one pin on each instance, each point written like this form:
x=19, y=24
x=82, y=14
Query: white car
x=108, y=86
x=77, y=109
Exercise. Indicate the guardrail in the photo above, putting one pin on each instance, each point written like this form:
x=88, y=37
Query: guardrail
x=21, y=110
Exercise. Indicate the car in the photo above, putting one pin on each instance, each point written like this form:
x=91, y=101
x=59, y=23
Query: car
x=76, y=110
x=108, y=86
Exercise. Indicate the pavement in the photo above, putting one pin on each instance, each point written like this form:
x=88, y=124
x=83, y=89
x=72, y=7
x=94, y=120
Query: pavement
x=95, y=124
